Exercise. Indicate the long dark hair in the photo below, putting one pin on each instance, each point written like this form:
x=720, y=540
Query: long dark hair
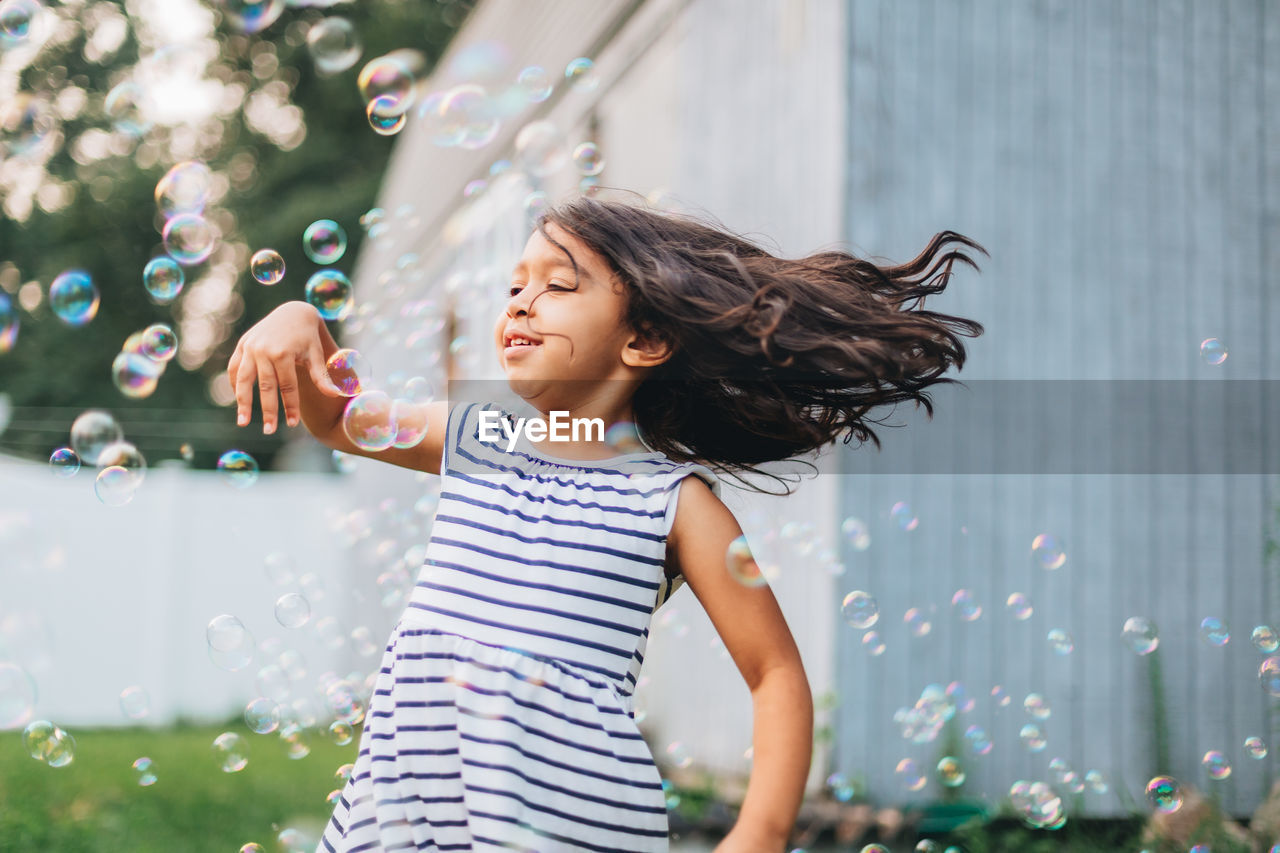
x=773, y=358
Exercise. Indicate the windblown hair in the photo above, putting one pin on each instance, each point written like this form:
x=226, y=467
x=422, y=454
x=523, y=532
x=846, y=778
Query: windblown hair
x=773, y=358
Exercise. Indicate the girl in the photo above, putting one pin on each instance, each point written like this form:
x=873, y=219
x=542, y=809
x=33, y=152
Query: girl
x=502, y=715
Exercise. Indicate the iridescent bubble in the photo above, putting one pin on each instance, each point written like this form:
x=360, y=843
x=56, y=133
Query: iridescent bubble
x=37, y=738
x=1165, y=794
x=349, y=370
x=184, y=189
x=238, y=468
x=535, y=83
x=73, y=298
x=135, y=375
x=873, y=644
x=1140, y=635
x=1060, y=641
x=540, y=150
x=230, y=644
x=1255, y=747
x=1269, y=675
x=464, y=116
x=916, y=622
x=951, y=772
x=860, y=609
x=624, y=437
x=1037, y=706
x=186, y=451
x=340, y=732
x=1265, y=639
x=64, y=462
x=841, y=787
x=163, y=278
x=334, y=45
x=535, y=202
x=91, y=431
x=9, y=324
x=124, y=107
x=1000, y=697
x=1033, y=738
x=678, y=754
x=874, y=848
x=909, y=773
x=292, y=610
x=580, y=73
x=135, y=703
x=1214, y=631
x=262, y=716
x=25, y=122
x=1096, y=782
x=742, y=564
x=252, y=16
x=330, y=292
x=189, y=238
x=296, y=743
x=960, y=697
x=1216, y=764
x=369, y=421
x=61, y=749
x=856, y=532
x=146, y=776
x=903, y=517
x=1213, y=351
x=324, y=241
x=15, y=20
x=343, y=773
x=159, y=342
x=230, y=752
x=125, y=455
x=115, y=485
x=389, y=76
x=1048, y=552
x=978, y=740
x=587, y=159
x=411, y=423
x=927, y=845
x=267, y=266
x=1037, y=804
x=968, y=609
x=1020, y=606
x=384, y=117
x=17, y=696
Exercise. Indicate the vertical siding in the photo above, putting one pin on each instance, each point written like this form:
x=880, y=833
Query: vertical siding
x=1116, y=160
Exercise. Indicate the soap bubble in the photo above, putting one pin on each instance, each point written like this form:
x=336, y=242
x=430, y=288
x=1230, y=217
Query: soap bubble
x=64, y=462
x=189, y=238
x=580, y=73
x=903, y=517
x=267, y=266
x=1020, y=606
x=17, y=696
x=411, y=423
x=1140, y=635
x=341, y=732
x=230, y=752
x=1033, y=738
x=1060, y=641
x=292, y=610
x=135, y=375
x=909, y=773
x=369, y=421
x=334, y=45
x=1255, y=747
x=1214, y=631
x=624, y=437
x=860, y=609
x=1216, y=764
x=73, y=297
x=124, y=107
x=1048, y=552
x=37, y=738
x=115, y=485
x=91, y=431
x=16, y=17
x=159, y=342
x=1037, y=706
x=135, y=703
x=856, y=532
x=966, y=606
x=951, y=772
x=238, y=468
x=1265, y=639
x=1164, y=794
x=231, y=646
x=142, y=767
x=185, y=188
x=587, y=159
x=535, y=83
x=384, y=117
x=1213, y=351
x=1096, y=782
x=163, y=278
x=539, y=149
x=61, y=750
x=262, y=716
x=389, y=77
x=742, y=565
x=916, y=622
x=349, y=370
x=873, y=644
x=1269, y=675
x=252, y=16
x=330, y=292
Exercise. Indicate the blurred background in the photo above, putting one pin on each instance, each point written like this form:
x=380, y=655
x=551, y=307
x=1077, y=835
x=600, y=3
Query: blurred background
x=1045, y=618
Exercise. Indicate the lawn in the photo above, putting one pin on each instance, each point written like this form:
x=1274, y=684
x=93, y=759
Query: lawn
x=96, y=804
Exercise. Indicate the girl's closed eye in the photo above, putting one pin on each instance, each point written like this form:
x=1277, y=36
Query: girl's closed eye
x=551, y=285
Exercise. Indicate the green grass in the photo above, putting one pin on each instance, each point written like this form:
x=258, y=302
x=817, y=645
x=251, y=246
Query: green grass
x=96, y=804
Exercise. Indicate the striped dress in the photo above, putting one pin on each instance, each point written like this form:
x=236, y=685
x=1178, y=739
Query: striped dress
x=502, y=715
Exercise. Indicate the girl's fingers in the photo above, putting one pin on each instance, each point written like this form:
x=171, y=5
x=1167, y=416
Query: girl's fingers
x=267, y=387
x=243, y=385
x=233, y=365
x=320, y=371
x=287, y=376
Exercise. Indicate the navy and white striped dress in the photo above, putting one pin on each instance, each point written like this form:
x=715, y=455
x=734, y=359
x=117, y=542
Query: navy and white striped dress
x=502, y=715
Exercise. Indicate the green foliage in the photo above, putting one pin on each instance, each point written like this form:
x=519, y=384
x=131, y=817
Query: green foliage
x=95, y=803
x=55, y=371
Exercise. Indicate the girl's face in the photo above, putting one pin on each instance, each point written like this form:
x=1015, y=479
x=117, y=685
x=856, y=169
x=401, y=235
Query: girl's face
x=575, y=327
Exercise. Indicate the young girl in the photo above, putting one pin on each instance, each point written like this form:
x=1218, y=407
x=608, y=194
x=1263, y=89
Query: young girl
x=502, y=715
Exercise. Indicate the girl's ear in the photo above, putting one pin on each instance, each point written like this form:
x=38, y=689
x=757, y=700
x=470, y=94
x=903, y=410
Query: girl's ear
x=647, y=348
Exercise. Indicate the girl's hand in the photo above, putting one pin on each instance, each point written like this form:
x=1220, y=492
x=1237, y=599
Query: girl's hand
x=742, y=841
x=268, y=355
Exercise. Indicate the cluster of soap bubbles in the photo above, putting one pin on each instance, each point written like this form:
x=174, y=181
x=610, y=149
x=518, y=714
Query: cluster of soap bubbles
x=374, y=419
x=143, y=358
x=922, y=722
x=49, y=744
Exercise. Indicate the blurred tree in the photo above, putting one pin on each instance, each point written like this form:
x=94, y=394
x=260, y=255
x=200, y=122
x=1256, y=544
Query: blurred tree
x=287, y=146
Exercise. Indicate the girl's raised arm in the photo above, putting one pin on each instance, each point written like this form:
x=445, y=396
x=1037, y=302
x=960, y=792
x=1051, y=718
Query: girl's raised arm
x=755, y=633
x=285, y=354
